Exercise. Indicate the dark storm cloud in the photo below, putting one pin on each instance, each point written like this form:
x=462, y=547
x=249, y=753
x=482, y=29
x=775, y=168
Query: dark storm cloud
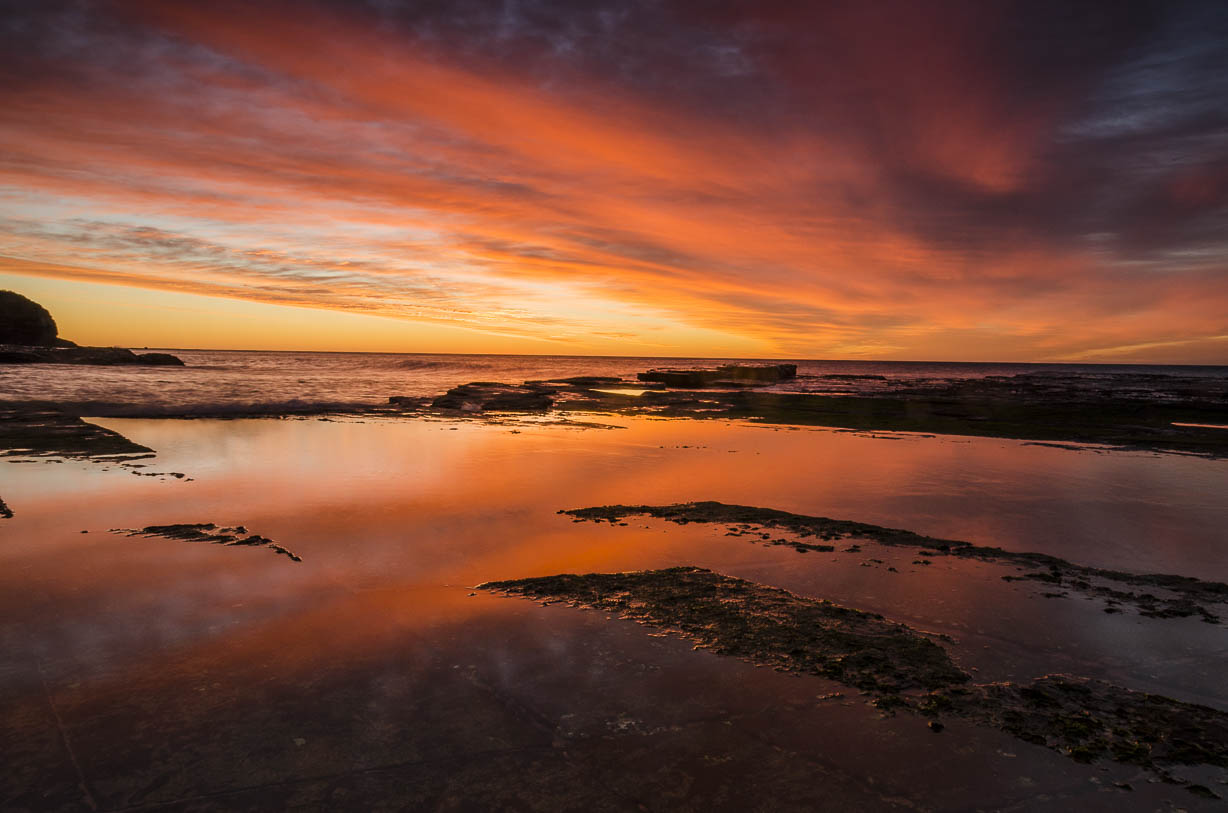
x=1121, y=105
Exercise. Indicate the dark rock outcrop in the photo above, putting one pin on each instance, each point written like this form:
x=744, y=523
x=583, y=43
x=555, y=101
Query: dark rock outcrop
x=25, y=322
x=728, y=375
x=488, y=396
x=12, y=354
x=159, y=359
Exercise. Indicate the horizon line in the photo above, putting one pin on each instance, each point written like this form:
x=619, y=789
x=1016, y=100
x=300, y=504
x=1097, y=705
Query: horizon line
x=687, y=358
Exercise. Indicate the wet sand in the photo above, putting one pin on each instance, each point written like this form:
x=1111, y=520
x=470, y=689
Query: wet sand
x=152, y=673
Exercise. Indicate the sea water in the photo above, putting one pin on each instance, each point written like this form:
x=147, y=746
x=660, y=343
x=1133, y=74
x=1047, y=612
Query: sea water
x=219, y=382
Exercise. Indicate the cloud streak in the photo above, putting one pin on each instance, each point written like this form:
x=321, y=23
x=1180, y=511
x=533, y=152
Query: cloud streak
x=969, y=182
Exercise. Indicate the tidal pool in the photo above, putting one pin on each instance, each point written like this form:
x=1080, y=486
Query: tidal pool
x=157, y=673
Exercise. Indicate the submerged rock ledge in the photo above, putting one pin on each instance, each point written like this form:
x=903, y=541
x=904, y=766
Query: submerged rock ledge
x=899, y=668
x=1187, y=597
x=26, y=432
x=763, y=624
x=208, y=532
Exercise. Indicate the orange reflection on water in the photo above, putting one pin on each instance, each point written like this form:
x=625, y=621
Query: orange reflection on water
x=180, y=669
x=396, y=521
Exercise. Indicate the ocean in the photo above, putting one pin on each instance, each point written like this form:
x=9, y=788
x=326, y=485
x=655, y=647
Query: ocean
x=221, y=382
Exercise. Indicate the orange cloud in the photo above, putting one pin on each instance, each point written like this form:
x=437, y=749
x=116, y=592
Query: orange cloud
x=304, y=157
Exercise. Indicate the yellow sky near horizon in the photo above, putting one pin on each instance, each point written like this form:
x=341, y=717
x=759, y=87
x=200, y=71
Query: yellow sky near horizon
x=104, y=315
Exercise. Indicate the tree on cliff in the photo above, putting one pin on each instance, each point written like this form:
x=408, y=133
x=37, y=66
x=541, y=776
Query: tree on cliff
x=24, y=321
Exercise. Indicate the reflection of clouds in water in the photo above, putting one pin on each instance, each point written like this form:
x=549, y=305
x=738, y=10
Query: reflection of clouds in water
x=384, y=514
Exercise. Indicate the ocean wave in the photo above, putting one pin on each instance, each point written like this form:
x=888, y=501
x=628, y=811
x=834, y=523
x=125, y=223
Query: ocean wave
x=460, y=366
x=419, y=364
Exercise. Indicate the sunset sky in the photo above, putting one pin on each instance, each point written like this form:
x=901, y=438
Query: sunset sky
x=1031, y=181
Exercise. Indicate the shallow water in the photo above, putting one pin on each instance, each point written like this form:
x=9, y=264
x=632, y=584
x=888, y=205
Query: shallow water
x=179, y=671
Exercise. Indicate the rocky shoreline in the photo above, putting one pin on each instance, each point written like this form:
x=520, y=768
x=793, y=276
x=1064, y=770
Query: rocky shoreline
x=1159, y=413
x=1137, y=410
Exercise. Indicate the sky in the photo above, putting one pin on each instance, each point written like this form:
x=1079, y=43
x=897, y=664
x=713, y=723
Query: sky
x=940, y=180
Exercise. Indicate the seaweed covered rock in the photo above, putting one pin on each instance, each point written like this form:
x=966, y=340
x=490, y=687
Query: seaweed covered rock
x=759, y=624
x=1159, y=595
x=898, y=667
x=25, y=322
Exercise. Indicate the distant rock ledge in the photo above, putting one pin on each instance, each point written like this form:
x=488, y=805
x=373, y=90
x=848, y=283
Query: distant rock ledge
x=728, y=375
x=18, y=354
x=28, y=335
x=481, y=396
